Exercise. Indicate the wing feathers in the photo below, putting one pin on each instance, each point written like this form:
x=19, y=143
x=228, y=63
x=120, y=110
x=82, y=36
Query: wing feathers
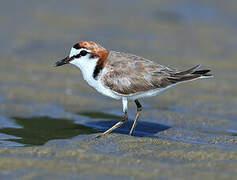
x=190, y=70
x=129, y=74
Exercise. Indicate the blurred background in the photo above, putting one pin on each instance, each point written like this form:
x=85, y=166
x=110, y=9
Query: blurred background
x=35, y=34
x=190, y=132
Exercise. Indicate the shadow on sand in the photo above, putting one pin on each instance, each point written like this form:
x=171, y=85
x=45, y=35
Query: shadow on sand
x=143, y=128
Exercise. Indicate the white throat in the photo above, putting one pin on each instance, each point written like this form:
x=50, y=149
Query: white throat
x=87, y=67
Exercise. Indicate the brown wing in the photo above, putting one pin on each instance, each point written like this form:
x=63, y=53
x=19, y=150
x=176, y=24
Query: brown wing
x=129, y=74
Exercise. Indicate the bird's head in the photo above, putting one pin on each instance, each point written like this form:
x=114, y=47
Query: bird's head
x=83, y=53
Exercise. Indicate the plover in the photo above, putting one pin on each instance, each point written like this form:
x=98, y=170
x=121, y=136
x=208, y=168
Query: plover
x=125, y=76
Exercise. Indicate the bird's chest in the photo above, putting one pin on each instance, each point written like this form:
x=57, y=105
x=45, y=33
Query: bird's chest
x=97, y=83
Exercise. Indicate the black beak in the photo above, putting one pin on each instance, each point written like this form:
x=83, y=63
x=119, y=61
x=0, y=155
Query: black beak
x=63, y=61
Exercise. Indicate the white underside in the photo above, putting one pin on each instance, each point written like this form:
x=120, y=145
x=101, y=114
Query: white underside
x=100, y=87
x=149, y=93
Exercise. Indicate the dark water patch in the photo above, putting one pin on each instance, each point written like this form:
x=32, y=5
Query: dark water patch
x=39, y=130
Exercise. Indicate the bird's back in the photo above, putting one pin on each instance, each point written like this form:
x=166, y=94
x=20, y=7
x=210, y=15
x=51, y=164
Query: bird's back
x=129, y=74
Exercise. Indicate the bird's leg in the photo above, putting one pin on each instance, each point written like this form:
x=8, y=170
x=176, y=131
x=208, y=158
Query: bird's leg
x=139, y=110
x=120, y=123
x=124, y=119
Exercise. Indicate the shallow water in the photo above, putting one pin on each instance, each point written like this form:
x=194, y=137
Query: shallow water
x=39, y=130
x=49, y=116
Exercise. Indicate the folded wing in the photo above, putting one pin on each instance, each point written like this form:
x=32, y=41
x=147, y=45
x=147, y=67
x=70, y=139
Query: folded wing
x=133, y=74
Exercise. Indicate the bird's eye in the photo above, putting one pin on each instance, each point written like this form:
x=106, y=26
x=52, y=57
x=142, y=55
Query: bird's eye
x=83, y=53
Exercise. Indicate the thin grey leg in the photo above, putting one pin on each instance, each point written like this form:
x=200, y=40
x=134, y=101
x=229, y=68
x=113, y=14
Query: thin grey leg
x=139, y=110
x=120, y=123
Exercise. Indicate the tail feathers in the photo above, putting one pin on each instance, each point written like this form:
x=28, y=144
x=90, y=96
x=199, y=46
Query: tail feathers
x=189, y=74
x=188, y=71
x=183, y=78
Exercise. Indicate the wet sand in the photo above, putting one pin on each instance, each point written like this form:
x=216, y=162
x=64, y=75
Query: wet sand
x=49, y=116
x=120, y=157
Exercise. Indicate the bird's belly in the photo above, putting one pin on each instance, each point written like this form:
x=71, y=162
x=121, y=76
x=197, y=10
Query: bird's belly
x=149, y=93
x=97, y=84
x=107, y=92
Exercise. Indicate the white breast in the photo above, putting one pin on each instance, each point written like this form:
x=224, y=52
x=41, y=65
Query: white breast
x=87, y=67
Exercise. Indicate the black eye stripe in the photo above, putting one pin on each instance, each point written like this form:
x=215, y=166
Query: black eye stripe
x=77, y=56
x=82, y=53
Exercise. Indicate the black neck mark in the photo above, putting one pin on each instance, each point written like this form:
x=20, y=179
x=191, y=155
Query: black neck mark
x=97, y=70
